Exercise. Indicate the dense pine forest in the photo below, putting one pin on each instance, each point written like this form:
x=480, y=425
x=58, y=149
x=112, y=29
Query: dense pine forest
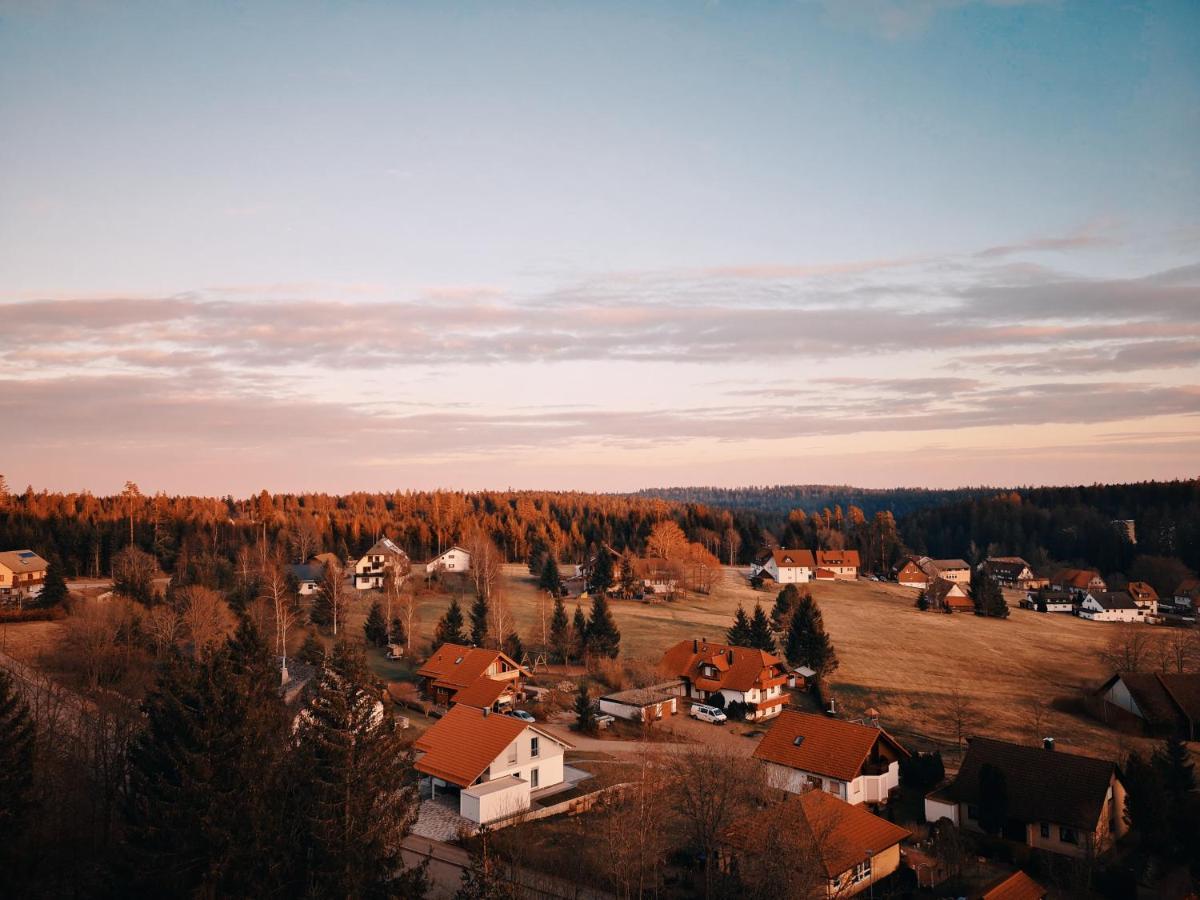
x=776, y=501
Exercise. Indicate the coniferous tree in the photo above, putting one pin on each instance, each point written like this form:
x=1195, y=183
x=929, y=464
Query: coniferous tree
x=359, y=788
x=785, y=602
x=560, y=632
x=585, y=715
x=450, y=626
x=513, y=646
x=600, y=578
x=397, y=633
x=627, y=581
x=550, y=579
x=603, y=637
x=923, y=600
x=487, y=877
x=1177, y=767
x=54, y=588
x=312, y=651
x=580, y=629
x=17, y=743
x=738, y=634
x=375, y=628
x=807, y=642
x=205, y=804
x=479, y=621
x=761, y=636
x=330, y=600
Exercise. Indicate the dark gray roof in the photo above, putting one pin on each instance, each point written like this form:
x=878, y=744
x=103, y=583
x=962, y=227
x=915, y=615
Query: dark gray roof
x=307, y=572
x=1113, y=599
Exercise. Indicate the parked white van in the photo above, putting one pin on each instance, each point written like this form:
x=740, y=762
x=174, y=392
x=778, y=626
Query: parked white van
x=708, y=713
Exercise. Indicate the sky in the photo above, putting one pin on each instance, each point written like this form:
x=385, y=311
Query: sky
x=598, y=246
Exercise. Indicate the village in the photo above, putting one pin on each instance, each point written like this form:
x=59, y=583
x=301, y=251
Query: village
x=832, y=714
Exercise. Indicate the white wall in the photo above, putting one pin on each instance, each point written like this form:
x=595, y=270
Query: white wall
x=548, y=762
x=940, y=809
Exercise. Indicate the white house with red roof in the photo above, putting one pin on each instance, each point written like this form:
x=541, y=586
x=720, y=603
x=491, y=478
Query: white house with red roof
x=735, y=674
x=790, y=566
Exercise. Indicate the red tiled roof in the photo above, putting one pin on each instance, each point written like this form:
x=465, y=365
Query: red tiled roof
x=482, y=692
x=837, y=558
x=738, y=668
x=1141, y=592
x=455, y=666
x=788, y=559
x=824, y=575
x=830, y=747
x=464, y=742
x=1017, y=886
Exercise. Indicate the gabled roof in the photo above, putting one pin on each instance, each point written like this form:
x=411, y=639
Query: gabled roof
x=385, y=547
x=945, y=593
x=1113, y=599
x=1017, y=886
x=738, y=668
x=842, y=835
x=1041, y=785
x=1189, y=587
x=451, y=549
x=307, y=572
x=1077, y=578
x=22, y=561
x=943, y=564
x=1150, y=693
x=1012, y=566
x=837, y=558
x=452, y=665
x=465, y=741
x=1141, y=592
x=821, y=745
x=482, y=692
x=793, y=559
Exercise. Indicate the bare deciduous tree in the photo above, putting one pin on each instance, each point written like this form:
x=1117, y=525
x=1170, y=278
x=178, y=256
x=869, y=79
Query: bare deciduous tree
x=207, y=620
x=1128, y=650
x=961, y=711
x=666, y=540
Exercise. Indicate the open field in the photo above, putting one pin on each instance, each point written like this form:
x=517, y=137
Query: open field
x=905, y=663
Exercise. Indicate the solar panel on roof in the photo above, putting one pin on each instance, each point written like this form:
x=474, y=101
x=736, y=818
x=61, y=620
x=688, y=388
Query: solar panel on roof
x=25, y=554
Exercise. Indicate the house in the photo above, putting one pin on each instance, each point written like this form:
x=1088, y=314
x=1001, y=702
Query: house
x=1081, y=580
x=854, y=848
x=790, y=566
x=842, y=563
x=957, y=571
x=825, y=575
x=760, y=561
x=307, y=577
x=456, y=559
x=657, y=575
x=1144, y=596
x=713, y=672
x=858, y=763
x=327, y=559
x=910, y=572
x=371, y=571
x=22, y=573
x=494, y=762
x=1110, y=606
x=1017, y=886
x=1058, y=802
x=1187, y=595
x=646, y=704
x=948, y=595
x=456, y=674
x=1046, y=600
x=1162, y=703
x=1011, y=572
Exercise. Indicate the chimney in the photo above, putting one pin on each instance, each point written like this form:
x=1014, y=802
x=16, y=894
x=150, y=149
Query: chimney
x=731, y=656
x=485, y=712
x=832, y=706
x=1047, y=743
x=695, y=646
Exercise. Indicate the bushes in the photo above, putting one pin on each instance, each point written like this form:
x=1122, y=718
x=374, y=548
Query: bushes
x=922, y=772
x=32, y=614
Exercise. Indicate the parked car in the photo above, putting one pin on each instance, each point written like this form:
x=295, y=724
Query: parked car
x=708, y=714
x=395, y=651
x=522, y=715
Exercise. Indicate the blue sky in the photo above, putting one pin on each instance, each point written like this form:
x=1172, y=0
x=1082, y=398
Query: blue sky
x=564, y=244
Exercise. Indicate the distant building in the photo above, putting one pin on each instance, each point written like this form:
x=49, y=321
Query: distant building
x=914, y=571
x=1163, y=703
x=456, y=559
x=841, y=563
x=472, y=675
x=955, y=570
x=943, y=595
x=1011, y=572
x=22, y=573
x=1144, y=595
x=790, y=566
x=372, y=570
x=1110, y=606
x=735, y=674
x=307, y=576
x=1046, y=600
x=1081, y=580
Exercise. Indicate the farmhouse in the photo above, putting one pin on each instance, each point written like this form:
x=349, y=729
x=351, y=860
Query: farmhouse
x=957, y=571
x=914, y=571
x=855, y=848
x=456, y=559
x=858, y=763
x=1110, y=606
x=644, y=704
x=1162, y=703
x=1144, y=596
x=947, y=595
x=456, y=674
x=713, y=672
x=371, y=571
x=1187, y=595
x=842, y=563
x=1046, y=600
x=307, y=576
x=1011, y=572
x=1081, y=580
x=658, y=576
x=790, y=566
x=1054, y=801
x=494, y=762
x=22, y=573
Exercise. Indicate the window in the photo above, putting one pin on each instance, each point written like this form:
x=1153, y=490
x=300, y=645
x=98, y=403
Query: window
x=1068, y=836
x=814, y=781
x=533, y=748
x=512, y=753
x=533, y=778
x=862, y=871
x=1045, y=830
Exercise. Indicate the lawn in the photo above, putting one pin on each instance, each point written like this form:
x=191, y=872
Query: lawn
x=1020, y=675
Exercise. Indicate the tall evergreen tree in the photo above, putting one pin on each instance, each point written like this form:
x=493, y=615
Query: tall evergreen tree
x=359, y=787
x=479, y=621
x=603, y=637
x=580, y=629
x=785, y=603
x=550, y=579
x=738, y=634
x=807, y=642
x=923, y=600
x=560, y=631
x=585, y=715
x=54, y=588
x=375, y=628
x=513, y=646
x=488, y=877
x=312, y=651
x=397, y=633
x=627, y=581
x=17, y=743
x=761, y=635
x=1176, y=765
x=204, y=812
x=600, y=578
x=450, y=626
